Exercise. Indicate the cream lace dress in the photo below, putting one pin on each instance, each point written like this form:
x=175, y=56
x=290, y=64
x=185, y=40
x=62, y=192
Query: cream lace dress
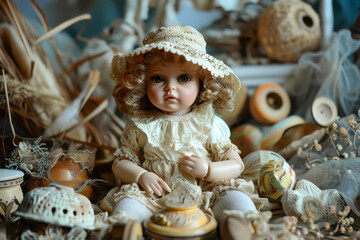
x=157, y=141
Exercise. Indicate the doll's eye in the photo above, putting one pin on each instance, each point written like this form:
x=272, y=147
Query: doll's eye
x=157, y=79
x=184, y=78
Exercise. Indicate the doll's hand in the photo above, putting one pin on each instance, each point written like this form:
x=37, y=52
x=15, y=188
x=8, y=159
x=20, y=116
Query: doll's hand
x=152, y=183
x=194, y=165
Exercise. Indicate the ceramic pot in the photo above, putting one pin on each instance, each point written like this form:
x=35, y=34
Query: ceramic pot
x=68, y=173
x=180, y=221
x=10, y=189
x=70, y=167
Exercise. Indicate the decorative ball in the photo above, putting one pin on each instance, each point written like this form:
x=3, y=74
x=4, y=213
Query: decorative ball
x=254, y=161
x=287, y=29
x=247, y=138
x=274, y=178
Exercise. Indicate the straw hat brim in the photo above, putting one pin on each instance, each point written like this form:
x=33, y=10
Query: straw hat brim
x=216, y=67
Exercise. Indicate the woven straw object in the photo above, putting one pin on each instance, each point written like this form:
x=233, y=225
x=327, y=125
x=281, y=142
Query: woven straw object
x=287, y=29
x=181, y=40
x=57, y=205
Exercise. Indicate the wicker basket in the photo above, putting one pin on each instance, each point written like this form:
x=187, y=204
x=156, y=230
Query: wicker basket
x=287, y=29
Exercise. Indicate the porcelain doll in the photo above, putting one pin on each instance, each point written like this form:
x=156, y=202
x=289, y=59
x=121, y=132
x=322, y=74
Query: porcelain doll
x=172, y=91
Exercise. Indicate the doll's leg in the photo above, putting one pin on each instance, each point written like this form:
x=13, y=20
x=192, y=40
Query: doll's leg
x=134, y=209
x=232, y=200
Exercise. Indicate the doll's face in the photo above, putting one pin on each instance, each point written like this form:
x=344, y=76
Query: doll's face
x=173, y=87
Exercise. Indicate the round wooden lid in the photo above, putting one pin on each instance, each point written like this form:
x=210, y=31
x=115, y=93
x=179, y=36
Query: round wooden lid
x=324, y=111
x=10, y=174
x=10, y=177
x=153, y=228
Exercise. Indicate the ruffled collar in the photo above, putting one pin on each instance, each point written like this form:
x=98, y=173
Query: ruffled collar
x=152, y=115
x=177, y=132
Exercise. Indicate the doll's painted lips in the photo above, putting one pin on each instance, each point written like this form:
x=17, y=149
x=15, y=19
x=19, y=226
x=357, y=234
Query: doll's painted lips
x=170, y=98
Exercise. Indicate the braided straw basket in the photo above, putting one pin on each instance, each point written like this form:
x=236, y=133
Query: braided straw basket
x=287, y=29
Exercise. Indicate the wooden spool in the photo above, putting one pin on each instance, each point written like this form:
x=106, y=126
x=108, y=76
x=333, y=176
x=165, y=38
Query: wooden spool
x=270, y=103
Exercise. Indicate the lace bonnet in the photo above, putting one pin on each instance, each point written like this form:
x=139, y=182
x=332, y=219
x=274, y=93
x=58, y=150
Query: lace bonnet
x=181, y=40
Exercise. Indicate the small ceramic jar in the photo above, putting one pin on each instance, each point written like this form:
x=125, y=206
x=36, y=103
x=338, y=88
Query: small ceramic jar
x=10, y=189
x=185, y=221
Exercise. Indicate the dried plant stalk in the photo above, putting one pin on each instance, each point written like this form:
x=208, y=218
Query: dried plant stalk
x=36, y=95
x=342, y=142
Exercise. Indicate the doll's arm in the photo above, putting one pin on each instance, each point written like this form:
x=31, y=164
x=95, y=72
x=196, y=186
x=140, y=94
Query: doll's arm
x=152, y=183
x=127, y=171
x=194, y=165
x=230, y=167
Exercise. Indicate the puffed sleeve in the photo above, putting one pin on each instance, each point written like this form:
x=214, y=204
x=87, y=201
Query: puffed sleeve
x=131, y=144
x=219, y=140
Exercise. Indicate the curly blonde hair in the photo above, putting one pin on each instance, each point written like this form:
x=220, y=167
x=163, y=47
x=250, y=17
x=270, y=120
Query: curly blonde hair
x=130, y=91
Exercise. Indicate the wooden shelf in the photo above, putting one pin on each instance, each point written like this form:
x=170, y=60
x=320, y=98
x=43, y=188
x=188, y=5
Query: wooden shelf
x=255, y=75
